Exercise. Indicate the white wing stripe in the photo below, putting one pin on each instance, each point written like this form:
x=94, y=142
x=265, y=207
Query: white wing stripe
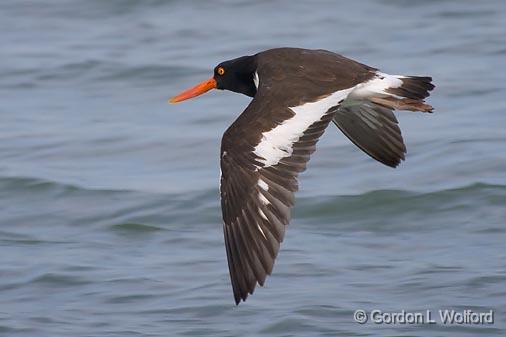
x=378, y=85
x=277, y=143
x=262, y=214
x=263, y=199
x=263, y=185
x=261, y=231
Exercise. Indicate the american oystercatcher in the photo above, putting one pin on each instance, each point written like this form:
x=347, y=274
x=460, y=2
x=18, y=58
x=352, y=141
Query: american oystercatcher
x=296, y=94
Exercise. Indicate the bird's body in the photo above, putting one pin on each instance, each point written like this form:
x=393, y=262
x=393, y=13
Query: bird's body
x=296, y=94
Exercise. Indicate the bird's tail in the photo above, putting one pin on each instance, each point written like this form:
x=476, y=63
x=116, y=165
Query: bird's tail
x=408, y=94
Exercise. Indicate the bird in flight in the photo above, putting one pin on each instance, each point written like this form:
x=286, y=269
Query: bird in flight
x=296, y=94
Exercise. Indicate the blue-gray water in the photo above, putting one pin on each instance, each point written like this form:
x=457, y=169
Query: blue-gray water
x=109, y=207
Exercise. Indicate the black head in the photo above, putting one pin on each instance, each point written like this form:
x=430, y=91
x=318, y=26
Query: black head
x=237, y=75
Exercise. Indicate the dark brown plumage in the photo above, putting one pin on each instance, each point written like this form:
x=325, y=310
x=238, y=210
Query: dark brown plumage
x=296, y=94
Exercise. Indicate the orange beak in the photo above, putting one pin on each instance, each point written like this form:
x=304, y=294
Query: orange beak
x=197, y=90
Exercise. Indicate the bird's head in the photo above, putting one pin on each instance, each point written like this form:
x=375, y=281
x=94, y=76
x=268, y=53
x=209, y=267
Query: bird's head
x=236, y=75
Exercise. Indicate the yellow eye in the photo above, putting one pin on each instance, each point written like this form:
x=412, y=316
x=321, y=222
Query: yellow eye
x=220, y=71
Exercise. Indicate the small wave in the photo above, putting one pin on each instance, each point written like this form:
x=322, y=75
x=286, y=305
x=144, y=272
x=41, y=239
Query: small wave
x=135, y=227
x=42, y=185
x=14, y=183
x=159, y=73
x=11, y=238
x=132, y=299
x=35, y=184
x=388, y=204
x=94, y=71
x=59, y=280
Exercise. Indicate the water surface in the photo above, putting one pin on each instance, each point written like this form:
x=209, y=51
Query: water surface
x=109, y=209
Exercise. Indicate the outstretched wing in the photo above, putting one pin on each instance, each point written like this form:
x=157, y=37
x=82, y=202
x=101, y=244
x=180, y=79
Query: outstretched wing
x=373, y=128
x=262, y=154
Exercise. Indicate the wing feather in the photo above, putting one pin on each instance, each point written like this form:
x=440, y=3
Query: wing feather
x=374, y=129
x=257, y=200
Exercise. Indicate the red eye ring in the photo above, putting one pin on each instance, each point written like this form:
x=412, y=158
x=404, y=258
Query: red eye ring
x=220, y=71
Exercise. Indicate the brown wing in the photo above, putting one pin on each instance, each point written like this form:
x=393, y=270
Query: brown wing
x=373, y=128
x=256, y=198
